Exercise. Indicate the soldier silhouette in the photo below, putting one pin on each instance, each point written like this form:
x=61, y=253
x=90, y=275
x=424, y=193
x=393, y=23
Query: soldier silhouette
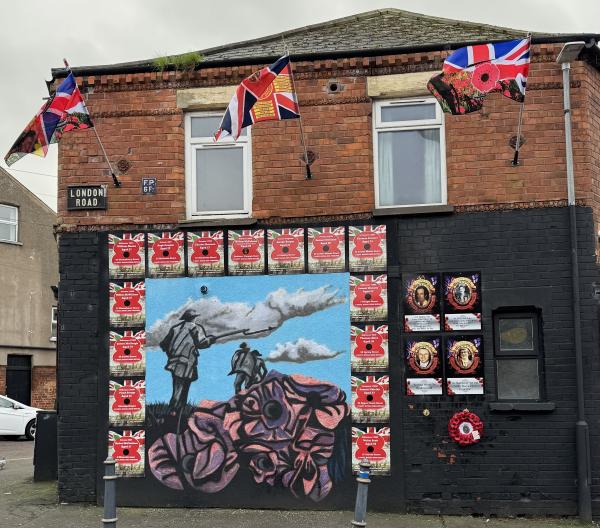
x=248, y=366
x=182, y=345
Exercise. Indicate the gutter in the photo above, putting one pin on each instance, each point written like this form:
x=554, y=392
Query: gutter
x=148, y=66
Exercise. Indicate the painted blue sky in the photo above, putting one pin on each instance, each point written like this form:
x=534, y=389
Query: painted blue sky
x=330, y=327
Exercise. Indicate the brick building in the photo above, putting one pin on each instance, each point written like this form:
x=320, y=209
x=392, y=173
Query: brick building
x=453, y=210
x=29, y=276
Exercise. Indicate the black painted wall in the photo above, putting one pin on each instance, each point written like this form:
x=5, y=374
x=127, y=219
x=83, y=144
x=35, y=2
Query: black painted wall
x=525, y=463
x=80, y=314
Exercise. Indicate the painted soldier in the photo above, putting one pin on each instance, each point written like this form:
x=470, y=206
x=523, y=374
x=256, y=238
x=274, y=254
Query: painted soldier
x=248, y=366
x=182, y=345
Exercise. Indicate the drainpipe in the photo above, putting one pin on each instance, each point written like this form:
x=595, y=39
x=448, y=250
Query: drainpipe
x=570, y=52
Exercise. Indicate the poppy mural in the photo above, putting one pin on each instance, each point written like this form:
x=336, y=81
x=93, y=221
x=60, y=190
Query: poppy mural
x=248, y=378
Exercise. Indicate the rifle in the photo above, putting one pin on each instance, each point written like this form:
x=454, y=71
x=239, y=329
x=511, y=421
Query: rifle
x=245, y=332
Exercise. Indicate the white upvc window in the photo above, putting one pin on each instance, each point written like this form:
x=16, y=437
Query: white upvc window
x=409, y=153
x=218, y=174
x=9, y=223
x=54, y=323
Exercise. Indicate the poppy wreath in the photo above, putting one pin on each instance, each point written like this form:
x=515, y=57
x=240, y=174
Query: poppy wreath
x=465, y=428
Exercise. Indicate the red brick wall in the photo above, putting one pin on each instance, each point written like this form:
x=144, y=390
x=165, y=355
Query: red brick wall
x=479, y=156
x=43, y=387
x=137, y=117
x=3, y=379
x=591, y=128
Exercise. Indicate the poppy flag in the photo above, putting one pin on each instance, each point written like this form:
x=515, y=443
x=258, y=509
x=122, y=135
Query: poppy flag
x=470, y=73
x=267, y=95
x=63, y=112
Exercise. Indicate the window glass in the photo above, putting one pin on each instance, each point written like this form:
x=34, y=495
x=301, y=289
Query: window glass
x=8, y=232
x=8, y=213
x=410, y=164
x=515, y=334
x=518, y=379
x=53, y=324
x=218, y=175
x=5, y=403
x=220, y=179
x=409, y=167
x=206, y=126
x=407, y=112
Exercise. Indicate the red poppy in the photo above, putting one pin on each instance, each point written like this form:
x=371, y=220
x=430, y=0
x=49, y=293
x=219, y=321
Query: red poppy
x=485, y=77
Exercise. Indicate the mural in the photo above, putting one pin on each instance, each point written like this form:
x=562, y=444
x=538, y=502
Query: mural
x=248, y=376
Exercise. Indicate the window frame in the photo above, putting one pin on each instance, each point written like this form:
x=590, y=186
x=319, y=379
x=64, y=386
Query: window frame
x=393, y=126
x=537, y=353
x=54, y=323
x=194, y=143
x=11, y=223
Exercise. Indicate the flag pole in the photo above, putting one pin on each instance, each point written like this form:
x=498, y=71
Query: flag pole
x=116, y=181
x=515, y=160
x=306, y=162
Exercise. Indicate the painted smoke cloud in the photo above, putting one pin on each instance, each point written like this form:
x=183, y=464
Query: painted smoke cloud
x=263, y=318
x=302, y=351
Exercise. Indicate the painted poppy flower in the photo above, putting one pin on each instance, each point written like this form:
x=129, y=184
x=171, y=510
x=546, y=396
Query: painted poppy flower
x=307, y=473
x=264, y=467
x=262, y=415
x=203, y=454
x=485, y=77
x=318, y=401
x=283, y=428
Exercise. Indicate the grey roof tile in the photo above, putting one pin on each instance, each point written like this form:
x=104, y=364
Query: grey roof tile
x=373, y=30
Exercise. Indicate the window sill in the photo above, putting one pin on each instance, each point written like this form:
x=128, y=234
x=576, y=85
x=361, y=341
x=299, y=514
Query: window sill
x=213, y=221
x=413, y=210
x=541, y=407
x=12, y=243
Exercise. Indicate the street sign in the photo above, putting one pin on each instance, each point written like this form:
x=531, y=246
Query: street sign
x=148, y=185
x=82, y=197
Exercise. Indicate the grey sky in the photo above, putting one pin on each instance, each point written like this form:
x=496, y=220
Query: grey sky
x=36, y=35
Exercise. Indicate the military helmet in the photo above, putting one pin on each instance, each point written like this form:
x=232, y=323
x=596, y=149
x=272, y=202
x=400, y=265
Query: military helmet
x=189, y=315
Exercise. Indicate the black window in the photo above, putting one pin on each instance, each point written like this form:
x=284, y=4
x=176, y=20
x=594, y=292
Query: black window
x=518, y=355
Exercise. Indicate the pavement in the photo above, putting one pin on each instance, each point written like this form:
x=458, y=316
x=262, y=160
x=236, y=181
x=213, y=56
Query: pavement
x=24, y=503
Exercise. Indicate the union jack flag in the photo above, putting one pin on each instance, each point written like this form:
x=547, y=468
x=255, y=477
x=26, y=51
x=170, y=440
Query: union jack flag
x=267, y=95
x=63, y=112
x=470, y=73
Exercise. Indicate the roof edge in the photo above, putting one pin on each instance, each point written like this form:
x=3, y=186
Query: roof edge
x=348, y=18
x=83, y=71
x=29, y=192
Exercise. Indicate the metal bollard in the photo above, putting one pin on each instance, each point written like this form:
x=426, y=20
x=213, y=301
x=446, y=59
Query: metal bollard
x=360, y=510
x=110, y=494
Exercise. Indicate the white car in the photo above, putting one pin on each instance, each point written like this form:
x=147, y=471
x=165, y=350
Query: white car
x=17, y=419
